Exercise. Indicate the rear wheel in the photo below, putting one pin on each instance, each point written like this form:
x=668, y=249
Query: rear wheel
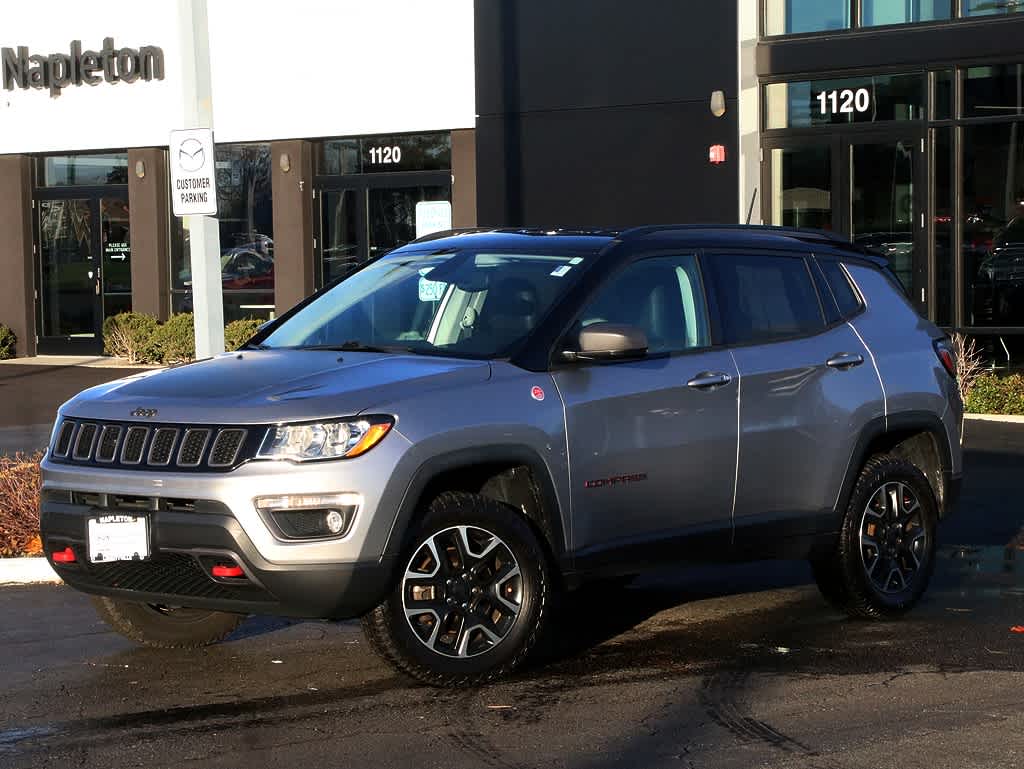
x=166, y=627
x=886, y=550
x=472, y=597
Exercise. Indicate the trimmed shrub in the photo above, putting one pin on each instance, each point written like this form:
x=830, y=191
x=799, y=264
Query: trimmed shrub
x=238, y=332
x=19, y=505
x=175, y=340
x=7, y=342
x=993, y=394
x=130, y=335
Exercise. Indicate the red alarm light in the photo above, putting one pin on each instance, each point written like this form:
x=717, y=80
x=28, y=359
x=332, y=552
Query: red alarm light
x=716, y=154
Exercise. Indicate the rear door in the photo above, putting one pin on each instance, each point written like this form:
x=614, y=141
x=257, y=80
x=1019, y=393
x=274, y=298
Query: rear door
x=652, y=442
x=807, y=386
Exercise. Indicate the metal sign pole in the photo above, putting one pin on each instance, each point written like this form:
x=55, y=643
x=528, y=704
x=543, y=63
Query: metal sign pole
x=203, y=231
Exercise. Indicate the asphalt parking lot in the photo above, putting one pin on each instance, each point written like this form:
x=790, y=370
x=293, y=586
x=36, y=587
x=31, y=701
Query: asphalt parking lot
x=703, y=667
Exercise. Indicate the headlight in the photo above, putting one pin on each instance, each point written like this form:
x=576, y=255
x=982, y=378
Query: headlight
x=324, y=440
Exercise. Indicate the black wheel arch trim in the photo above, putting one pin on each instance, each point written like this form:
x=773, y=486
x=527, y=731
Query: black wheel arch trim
x=921, y=421
x=502, y=454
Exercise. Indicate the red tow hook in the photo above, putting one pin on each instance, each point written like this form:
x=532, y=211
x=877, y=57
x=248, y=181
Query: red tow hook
x=67, y=555
x=225, y=570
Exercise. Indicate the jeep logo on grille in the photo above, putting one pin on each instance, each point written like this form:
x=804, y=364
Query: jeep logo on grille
x=144, y=413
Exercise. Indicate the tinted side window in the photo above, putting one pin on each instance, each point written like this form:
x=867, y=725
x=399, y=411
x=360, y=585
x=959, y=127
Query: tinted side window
x=828, y=301
x=663, y=296
x=765, y=297
x=839, y=283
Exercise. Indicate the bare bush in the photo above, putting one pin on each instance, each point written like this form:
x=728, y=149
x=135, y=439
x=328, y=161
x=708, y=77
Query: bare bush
x=19, y=505
x=968, y=363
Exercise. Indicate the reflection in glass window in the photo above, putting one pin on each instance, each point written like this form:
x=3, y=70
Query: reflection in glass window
x=993, y=226
x=801, y=193
x=991, y=7
x=877, y=12
x=246, y=217
x=844, y=100
x=794, y=16
x=942, y=193
x=92, y=169
x=994, y=91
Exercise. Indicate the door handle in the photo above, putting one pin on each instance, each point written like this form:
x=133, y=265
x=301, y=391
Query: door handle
x=844, y=360
x=709, y=380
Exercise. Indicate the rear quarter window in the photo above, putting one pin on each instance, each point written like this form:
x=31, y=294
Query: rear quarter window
x=765, y=297
x=843, y=291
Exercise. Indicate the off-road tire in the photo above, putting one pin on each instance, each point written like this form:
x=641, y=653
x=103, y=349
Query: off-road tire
x=166, y=628
x=842, y=577
x=391, y=637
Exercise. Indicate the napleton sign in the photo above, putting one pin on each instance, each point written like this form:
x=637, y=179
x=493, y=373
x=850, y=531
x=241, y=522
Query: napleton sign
x=60, y=70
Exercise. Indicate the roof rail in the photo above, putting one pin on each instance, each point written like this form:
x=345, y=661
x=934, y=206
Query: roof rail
x=448, y=233
x=800, y=232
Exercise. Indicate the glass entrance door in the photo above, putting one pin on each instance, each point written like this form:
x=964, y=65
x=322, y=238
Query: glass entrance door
x=363, y=217
x=882, y=210
x=865, y=185
x=83, y=269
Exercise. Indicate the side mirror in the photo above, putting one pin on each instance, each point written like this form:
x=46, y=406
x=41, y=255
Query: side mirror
x=609, y=342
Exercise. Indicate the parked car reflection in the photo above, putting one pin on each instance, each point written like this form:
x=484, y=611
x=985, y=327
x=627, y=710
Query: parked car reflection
x=998, y=289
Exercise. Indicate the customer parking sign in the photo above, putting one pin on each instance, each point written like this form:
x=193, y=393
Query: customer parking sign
x=193, y=184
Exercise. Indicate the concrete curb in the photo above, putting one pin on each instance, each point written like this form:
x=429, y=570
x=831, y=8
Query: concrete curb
x=26, y=571
x=1009, y=418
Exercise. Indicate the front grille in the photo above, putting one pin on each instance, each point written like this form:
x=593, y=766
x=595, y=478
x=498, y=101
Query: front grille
x=107, y=449
x=162, y=445
x=165, y=574
x=194, y=448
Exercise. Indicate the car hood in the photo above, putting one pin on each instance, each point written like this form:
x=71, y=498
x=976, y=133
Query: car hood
x=266, y=386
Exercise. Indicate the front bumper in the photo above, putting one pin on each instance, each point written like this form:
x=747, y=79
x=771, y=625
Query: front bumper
x=185, y=545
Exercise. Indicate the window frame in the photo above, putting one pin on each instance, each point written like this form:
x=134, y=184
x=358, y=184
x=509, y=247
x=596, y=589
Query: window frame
x=817, y=259
x=557, y=363
x=726, y=252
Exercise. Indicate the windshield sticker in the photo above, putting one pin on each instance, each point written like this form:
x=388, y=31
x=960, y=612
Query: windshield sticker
x=576, y=260
x=560, y=271
x=430, y=290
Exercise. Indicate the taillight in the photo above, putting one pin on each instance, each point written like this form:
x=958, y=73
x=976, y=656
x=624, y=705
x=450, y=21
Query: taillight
x=942, y=349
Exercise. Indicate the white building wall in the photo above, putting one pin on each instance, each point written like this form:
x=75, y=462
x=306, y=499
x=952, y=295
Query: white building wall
x=335, y=68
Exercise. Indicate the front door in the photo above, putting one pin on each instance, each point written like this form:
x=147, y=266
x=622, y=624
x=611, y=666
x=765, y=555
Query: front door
x=866, y=185
x=652, y=442
x=83, y=269
x=364, y=216
x=882, y=208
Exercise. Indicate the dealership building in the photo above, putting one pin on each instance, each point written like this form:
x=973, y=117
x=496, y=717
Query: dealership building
x=341, y=127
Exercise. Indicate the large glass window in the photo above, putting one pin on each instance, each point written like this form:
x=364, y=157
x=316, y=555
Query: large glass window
x=943, y=196
x=993, y=210
x=246, y=217
x=990, y=7
x=785, y=17
x=662, y=296
x=769, y=297
x=801, y=194
x=994, y=91
x=877, y=12
x=83, y=170
x=845, y=100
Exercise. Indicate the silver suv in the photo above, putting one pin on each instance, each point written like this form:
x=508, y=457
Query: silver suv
x=453, y=435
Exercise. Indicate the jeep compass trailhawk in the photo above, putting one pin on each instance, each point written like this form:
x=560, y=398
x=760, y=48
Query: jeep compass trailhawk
x=444, y=440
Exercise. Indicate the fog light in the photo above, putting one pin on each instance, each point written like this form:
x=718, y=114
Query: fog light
x=311, y=516
x=335, y=522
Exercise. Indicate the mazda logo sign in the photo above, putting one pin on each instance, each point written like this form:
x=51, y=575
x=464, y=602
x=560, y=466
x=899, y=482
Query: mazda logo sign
x=147, y=413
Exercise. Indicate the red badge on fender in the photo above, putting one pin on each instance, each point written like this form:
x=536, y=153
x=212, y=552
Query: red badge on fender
x=537, y=393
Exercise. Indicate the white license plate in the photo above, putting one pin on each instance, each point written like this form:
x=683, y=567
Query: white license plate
x=118, y=538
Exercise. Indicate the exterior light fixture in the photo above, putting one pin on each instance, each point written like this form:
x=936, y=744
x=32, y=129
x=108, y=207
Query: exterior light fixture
x=718, y=103
x=140, y=169
x=716, y=154
x=285, y=162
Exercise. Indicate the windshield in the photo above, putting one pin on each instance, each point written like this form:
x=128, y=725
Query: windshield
x=457, y=303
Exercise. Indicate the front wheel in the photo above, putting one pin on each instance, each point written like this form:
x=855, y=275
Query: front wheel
x=472, y=597
x=166, y=627
x=886, y=550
